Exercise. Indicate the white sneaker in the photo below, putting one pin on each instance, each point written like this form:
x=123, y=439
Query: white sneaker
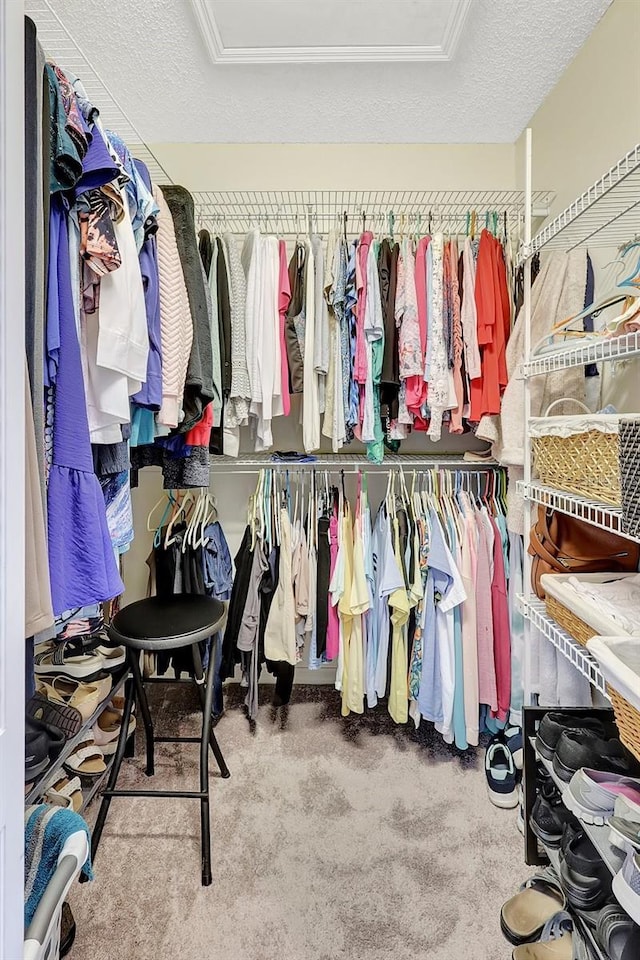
x=624, y=809
x=626, y=886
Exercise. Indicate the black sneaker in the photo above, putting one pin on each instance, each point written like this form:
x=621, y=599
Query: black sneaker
x=585, y=877
x=552, y=725
x=549, y=817
x=584, y=748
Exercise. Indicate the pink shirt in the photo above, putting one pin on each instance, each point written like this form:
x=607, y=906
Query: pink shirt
x=333, y=621
x=487, y=688
x=501, y=627
x=360, y=363
x=416, y=384
x=284, y=298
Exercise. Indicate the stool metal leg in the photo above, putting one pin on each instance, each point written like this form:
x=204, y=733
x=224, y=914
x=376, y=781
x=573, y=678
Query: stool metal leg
x=199, y=678
x=205, y=824
x=141, y=697
x=115, y=769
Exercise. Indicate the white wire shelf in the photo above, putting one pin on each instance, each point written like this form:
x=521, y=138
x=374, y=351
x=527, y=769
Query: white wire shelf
x=60, y=44
x=296, y=211
x=578, y=354
x=591, y=511
x=534, y=610
x=607, y=214
x=350, y=463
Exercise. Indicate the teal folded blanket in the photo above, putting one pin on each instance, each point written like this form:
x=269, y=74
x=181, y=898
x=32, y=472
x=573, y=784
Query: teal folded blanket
x=47, y=829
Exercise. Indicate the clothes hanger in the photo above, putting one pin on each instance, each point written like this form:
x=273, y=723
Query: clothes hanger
x=181, y=510
x=209, y=515
x=169, y=500
x=194, y=516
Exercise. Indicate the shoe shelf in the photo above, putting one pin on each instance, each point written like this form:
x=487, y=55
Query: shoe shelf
x=578, y=354
x=535, y=611
x=590, y=511
x=52, y=772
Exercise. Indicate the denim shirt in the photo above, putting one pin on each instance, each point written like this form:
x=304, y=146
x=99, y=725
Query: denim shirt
x=216, y=560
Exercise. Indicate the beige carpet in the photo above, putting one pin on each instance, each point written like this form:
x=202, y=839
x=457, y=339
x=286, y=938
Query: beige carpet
x=333, y=839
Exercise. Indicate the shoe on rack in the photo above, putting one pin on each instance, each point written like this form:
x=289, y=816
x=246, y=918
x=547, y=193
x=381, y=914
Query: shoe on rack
x=626, y=886
x=592, y=794
x=628, y=812
x=65, y=793
x=55, y=736
x=549, y=817
x=618, y=934
x=582, y=748
x=553, y=724
x=523, y=917
x=85, y=697
x=559, y=940
x=106, y=731
x=501, y=775
x=114, y=657
x=584, y=875
x=59, y=715
x=624, y=834
x=36, y=755
x=53, y=659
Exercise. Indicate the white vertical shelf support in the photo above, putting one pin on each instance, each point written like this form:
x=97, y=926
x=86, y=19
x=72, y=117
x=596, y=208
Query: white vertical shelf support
x=12, y=471
x=527, y=666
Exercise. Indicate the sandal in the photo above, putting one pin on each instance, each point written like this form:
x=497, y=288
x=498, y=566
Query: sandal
x=85, y=697
x=56, y=738
x=524, y=916
x=114, y=657
x=52, y=659
x=87, y=761
x=106, y=731
x=66, y=793
x=558, y=941
x=60, y=715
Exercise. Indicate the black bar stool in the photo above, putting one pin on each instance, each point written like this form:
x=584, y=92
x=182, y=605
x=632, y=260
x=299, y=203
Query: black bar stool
x=157, y=624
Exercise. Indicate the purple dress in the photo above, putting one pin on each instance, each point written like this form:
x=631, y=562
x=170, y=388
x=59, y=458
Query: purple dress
x=82, y=565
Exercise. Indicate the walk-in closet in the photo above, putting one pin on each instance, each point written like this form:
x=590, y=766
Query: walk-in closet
x=320, y=453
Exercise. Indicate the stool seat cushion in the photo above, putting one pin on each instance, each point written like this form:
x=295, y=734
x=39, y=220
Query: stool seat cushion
x=165, y=623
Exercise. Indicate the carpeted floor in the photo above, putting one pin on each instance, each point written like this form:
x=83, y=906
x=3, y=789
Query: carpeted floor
x=333, y=839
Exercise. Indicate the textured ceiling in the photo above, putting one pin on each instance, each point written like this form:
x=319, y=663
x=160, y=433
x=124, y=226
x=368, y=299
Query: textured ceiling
x=154, y=59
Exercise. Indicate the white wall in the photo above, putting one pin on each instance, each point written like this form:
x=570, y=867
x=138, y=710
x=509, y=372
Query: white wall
x=339, y=166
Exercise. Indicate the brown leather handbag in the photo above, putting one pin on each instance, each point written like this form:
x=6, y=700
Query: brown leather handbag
x=562, y=544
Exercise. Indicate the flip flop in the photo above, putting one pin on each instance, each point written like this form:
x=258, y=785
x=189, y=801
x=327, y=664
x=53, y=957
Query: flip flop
x=66, y=793
x=87, y=761
x=524, y=916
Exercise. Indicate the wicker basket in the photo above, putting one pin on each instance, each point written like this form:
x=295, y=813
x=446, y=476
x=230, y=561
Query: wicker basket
x=627, y=720
x=629, y=456
x=586, y=463
x=565, y=618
